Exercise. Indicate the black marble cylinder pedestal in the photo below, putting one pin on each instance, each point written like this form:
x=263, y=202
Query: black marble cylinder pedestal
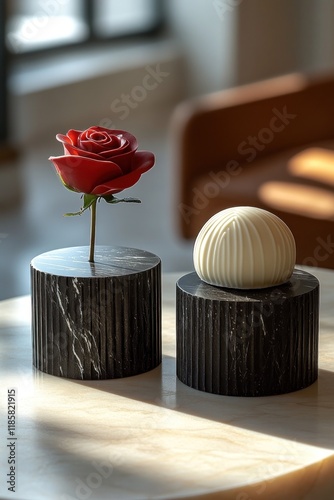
x=96, y=320
x=248, y=343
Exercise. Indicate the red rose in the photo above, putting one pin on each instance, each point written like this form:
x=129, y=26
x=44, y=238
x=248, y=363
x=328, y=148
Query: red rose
x=100, y=161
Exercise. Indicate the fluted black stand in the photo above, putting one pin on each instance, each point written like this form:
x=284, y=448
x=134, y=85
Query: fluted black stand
x=97, y=320
x=248, y=343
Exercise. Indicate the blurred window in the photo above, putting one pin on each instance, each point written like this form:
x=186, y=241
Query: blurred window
x=32, y=25
x=3, y=100
x=122, y=17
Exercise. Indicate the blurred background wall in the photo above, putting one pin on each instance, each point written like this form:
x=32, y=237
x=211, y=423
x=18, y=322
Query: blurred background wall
x=197, y=46
x=213, y=44
x=283, y=36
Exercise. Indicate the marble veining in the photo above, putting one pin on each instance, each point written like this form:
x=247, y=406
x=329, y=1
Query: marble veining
x=83, y=338
x=109, y=261
x=291, y=288
x=247, y=343
x=101, y=326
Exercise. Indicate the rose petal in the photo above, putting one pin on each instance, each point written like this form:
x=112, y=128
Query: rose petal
x=129, y=142
x=96, y=134
x=113, y=153
x=81, y=140
x=69, y=149
x=62, y=138
x=142, y=162
x=73, y=136
x=120, y=133
x=117, y=185
x=82, y=173
x=124, y=160
x=114, y=144
x=92, y=135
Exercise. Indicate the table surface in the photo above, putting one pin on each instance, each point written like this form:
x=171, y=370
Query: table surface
x=152, y=437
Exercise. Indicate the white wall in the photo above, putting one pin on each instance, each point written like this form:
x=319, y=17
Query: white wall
x=202, y=60
x=280, y=36
x=231, y=42
x=267, y=34
x=205, y=30
x=224, y=43
x=104, y=87
x=316, y=41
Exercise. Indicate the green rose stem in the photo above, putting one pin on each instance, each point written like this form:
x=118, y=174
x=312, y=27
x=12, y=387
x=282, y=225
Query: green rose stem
x=89, y=201
x=92, y=230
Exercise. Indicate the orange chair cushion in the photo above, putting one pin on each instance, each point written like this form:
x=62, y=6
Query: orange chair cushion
x=296, y=184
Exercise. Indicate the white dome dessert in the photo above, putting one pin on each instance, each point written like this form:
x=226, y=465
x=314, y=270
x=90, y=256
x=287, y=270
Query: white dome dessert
x=245, y=247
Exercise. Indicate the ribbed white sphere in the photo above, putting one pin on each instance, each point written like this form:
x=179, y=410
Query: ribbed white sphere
x=245, y=247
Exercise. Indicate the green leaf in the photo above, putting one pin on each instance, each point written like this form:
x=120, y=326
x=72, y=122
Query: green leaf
x=72, y=214
x=112, y=199
x=88, y=200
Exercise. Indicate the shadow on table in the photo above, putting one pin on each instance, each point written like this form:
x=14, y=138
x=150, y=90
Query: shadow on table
x=305, y=416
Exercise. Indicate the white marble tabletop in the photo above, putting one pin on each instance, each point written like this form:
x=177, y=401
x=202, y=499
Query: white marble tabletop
x=151, y=437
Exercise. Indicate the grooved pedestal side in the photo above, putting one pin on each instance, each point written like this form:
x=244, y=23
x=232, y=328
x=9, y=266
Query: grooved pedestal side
x=248, y=343
x=96, y=320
